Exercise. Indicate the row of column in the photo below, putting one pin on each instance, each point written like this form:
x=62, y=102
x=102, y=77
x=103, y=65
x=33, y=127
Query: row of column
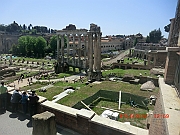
x=60, y=49
x=94, y=48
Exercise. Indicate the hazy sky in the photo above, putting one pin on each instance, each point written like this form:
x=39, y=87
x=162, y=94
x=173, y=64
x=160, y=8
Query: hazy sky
x=113, y=16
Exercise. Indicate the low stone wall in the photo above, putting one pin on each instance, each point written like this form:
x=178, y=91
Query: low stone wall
x=87, y=123
x=158, y=125
x=130, y=66
x=84, y=121
x=143, y=79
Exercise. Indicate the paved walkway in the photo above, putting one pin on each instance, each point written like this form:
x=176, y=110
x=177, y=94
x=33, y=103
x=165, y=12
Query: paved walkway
x=171, y=107
x=19, y=124
x=120, y=56
x=25, y=82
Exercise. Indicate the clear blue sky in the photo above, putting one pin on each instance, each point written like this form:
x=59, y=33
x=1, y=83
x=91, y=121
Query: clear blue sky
x=113, y=16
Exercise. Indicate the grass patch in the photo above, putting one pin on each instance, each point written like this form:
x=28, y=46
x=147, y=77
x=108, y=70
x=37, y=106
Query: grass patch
x=33, y=86
x=34, y=59
x=87, y=91
x=128, y=111
x=122, y=72
x=57, y=89
x=51, y=92
x=127, y=60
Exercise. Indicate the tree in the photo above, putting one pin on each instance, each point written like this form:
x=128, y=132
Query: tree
x=135, y=42
x=24, y=27
x=40, y=46
x=22, y=45
x=155, y=36
x=53, y=44
x=2, y=27
x=148, y=39
x=30, y=43
x=14, y=49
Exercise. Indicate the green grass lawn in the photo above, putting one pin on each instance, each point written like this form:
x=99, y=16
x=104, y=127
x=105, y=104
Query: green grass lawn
x=51, y=92
x=136, y=116
x=87, y=91
x=58, y=88
x=122, y=72
x=140, y=61
x=34, y=59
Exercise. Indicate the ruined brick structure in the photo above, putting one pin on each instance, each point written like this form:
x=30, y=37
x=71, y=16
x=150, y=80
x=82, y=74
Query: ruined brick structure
x=6, y=42
x=175, y=28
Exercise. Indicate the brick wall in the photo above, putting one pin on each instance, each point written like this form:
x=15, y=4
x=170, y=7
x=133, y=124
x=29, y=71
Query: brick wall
x=96, y=129
x=170, y=67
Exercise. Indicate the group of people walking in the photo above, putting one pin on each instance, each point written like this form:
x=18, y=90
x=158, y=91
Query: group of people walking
x=26, y=100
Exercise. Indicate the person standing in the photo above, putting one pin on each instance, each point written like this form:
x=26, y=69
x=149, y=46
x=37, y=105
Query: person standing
x=15, y=99
x=3, y=96
x=24, y=102
x=33, y=100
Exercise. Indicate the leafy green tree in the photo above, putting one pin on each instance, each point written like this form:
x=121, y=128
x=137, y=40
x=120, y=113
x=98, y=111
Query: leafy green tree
x=147, y=39
x=30, y=43
x=155, y=36
x=2, y=27
x=53, y=44
x=40, y=46
x=14, y=49
x=135, y=42
x=22, y=46
x=24, y=27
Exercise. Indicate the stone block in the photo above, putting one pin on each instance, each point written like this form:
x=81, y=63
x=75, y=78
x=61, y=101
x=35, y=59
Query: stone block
x=44, y=124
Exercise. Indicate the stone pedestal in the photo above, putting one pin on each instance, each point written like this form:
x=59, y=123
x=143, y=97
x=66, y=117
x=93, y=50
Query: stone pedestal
x=44, y=124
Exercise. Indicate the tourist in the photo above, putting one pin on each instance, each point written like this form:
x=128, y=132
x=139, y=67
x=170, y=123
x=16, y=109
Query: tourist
x=15, y=99
x=33, y=100
x=24, y=102
x=18, y=80
x=3, y=96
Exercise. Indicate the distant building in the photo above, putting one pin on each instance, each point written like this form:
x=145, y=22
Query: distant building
x=129, y=43
x=111, y=44
x=6, y=42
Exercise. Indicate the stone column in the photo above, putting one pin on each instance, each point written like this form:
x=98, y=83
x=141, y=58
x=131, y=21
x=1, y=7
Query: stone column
x=58, y=49
x=79, y=50
x=62, y=49
x=149, y=60
x=68, y=48
x=154, y=62
x=74, y=49
x=88, y=46
x=44, y=124
x=99, y=53
x=85, y=51
x=95, y=52
x=90, y=52
x=179, y=40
